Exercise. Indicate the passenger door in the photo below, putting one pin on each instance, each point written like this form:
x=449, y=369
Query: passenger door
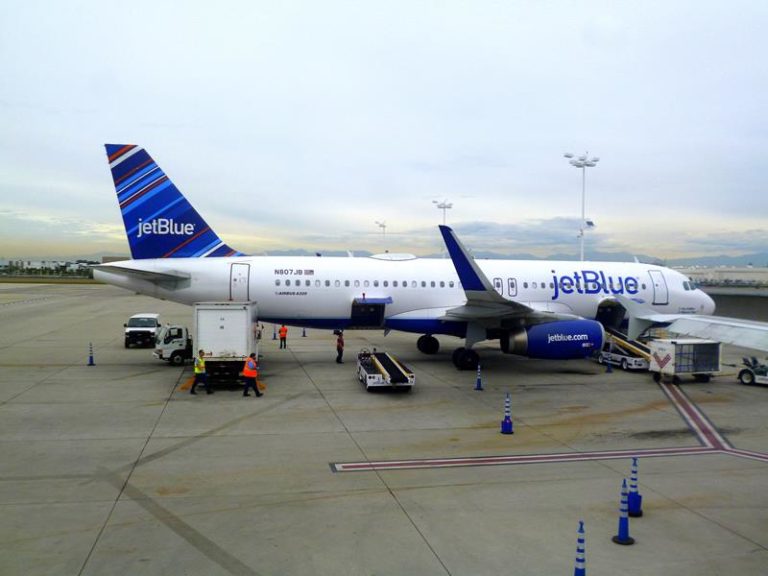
x=660, y=291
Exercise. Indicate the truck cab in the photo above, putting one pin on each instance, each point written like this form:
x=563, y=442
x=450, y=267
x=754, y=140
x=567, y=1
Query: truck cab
x=173, y=344
x=141, y=329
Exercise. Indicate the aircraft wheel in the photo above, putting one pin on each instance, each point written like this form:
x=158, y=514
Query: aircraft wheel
x=746, y=377
x=624, y=365
x=657, y=377
x=702, y=377
x=428, y=344
x=456, y=356
x=601, y=359
x=468, y=360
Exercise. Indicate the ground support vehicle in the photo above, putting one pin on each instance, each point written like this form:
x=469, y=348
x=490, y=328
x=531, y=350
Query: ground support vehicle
x=672, y=358
x=174, y=345
x=141, y=329
x=227, y=333
x=382, y=370
x=621, y=358
x=754, y=372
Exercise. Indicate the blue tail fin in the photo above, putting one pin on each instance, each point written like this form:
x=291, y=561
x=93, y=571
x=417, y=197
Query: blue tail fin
x=159, y=221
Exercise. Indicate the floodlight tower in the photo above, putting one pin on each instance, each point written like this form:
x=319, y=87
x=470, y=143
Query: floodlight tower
x=383, y=226
x=444, y=205
x=583, y=162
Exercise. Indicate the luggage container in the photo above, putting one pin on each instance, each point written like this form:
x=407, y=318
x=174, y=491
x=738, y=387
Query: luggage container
x=672, y=358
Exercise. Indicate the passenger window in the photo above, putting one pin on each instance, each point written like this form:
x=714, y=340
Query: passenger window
x=337, y=283
x=394, y=284
x=534, y=285
x=327, y=283
x=287, y=282
x=432, y=284
x=277, y=282
x=386, y=283
x=450, y=284
x=423, y=284
x=366, y=283
x=307, y=283
x=442, y=284
x=525, y=284
x=376, y=283
x=317, y=283
x=413, y=284
x=357, y=283
x=346, y=283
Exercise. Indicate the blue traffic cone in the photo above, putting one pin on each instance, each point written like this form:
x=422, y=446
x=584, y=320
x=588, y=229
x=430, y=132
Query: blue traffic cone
x=90, y=354
x=580, y=569
x=506, y=424
x=623, y=536
x=479, y=381
x=274, y=331
x=635, y=498
x=608, y=367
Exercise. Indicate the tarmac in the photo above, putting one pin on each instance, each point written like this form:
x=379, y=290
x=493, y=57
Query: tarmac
x=116, y=469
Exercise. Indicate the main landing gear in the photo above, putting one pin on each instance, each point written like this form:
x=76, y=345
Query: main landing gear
x=465, y=359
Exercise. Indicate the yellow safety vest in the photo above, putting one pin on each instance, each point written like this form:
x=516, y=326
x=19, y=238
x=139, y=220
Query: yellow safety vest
x=199, y=365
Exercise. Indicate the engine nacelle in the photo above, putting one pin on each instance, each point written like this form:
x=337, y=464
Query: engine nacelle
x=560, y=340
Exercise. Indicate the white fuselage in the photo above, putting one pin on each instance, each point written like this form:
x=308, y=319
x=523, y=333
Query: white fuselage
x=319, y=291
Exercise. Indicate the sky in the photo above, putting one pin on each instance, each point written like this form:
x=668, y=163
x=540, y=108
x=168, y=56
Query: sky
x=302, y=124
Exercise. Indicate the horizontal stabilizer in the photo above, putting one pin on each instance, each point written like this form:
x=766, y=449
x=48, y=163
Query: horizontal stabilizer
x=167, y=278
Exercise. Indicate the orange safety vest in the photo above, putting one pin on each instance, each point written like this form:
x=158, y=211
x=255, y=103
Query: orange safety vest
x=283, y=332
x=249, y=369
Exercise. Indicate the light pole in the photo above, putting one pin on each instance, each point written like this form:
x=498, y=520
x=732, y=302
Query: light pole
x=444, y=205
x=583, y=162
x=383, y=226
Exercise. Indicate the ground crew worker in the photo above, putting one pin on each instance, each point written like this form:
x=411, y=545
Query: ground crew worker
x=250, y=373
x=200, y=374
x=283, y=335
x=340, y=347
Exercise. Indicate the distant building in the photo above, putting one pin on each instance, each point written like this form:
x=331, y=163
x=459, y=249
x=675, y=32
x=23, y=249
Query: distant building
x=726, y=276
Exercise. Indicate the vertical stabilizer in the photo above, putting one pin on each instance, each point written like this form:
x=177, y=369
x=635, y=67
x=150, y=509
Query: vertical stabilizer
x=159, y=221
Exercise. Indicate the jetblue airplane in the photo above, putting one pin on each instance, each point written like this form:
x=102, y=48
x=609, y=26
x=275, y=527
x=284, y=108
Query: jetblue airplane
x=539, y=309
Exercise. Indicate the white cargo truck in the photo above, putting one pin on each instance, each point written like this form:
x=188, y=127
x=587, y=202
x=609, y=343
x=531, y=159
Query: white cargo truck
x=227, y=333
x=672, y=358
x=225, y=330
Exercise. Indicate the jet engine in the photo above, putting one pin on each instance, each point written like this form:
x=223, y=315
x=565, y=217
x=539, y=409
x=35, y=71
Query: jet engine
x=559, y=340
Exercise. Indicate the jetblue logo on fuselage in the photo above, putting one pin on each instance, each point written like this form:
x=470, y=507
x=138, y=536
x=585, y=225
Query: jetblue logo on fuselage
x=593, y=282
x=165, y=226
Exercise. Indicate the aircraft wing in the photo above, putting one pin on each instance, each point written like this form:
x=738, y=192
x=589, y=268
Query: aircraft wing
x=745, y=333
x=484, y=305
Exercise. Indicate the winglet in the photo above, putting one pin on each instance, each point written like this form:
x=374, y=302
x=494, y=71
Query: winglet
x=476, y=285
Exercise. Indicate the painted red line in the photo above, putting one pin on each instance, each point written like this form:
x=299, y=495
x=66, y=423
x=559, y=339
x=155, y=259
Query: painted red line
x=118, y=181
x=521, y=459
x=705, y=430
x=148, y=188
x=187, y=241
x=117, y=154
x=748, y=454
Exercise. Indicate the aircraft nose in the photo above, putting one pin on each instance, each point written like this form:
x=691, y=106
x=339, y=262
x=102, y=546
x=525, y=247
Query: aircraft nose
x=707, y=304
